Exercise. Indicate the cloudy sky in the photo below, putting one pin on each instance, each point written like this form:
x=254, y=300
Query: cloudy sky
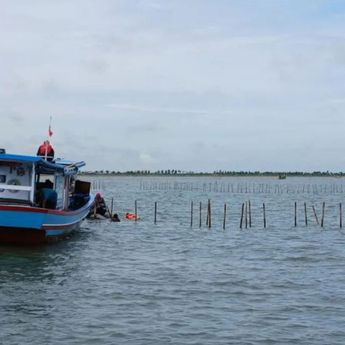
x=181, y=84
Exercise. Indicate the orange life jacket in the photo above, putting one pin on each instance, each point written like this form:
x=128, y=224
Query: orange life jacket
x=131, y=216
x=42, y=150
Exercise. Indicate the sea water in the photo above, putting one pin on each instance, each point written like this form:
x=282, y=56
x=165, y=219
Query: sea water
x=173, y=283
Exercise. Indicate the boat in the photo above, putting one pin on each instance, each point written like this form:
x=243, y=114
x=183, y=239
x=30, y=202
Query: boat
x=282, y=176
x=40, y=201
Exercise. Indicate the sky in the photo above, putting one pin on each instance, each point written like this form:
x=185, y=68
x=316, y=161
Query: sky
x=198, y=85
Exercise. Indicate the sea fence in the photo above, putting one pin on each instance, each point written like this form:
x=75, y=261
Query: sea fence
x=233, y=188
x=228, y=204
x=243, y=187
x=245, y=215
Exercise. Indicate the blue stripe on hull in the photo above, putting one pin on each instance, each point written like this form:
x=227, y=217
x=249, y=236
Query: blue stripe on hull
x=53, y=219
x=18, y=219
x=24, y=226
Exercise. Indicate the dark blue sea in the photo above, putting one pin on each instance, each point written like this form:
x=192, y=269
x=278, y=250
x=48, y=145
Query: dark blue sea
x=139, y=283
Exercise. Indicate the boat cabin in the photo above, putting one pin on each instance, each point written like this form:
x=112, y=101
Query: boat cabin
x=33, y=181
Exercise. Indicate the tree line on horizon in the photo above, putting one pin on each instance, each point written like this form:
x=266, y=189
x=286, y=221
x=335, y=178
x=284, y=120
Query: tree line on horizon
x=174, y=172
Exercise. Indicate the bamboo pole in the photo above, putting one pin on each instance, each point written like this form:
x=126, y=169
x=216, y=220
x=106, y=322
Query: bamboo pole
x=340, y=215
x=136, y=210
x=241, y=221
x=250, y=214
x=191, y=214
x=305, y=214
x=246, y=215
x=110, y=214
x=295, y=214
x=264, y=213
x=315, y=215
x=209, y=214
x=111, y=207
x=323, y=214
x=200, y=206
x=155, y=214
x=224, y=218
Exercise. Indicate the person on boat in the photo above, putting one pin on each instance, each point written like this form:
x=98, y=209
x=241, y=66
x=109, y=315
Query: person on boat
x=46, y=151
x=47, y=198
x=48, y=184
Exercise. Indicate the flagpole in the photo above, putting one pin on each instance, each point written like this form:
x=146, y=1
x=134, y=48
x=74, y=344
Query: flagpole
x=49, y=131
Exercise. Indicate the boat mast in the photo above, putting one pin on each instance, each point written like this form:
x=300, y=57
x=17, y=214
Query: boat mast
x=50, y=133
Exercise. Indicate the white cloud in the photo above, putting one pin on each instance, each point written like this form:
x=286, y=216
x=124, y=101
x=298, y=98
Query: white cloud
x=146, y=158
x=252, y=79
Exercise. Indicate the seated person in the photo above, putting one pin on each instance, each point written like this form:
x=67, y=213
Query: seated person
x=99, y=207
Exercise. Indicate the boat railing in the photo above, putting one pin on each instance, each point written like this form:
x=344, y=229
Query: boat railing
x=15, y=187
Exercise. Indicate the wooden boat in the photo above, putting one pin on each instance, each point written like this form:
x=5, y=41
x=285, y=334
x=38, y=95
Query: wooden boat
x=40, y=201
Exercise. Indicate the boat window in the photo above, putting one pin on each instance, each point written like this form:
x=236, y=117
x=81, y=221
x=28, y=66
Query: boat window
x=15, y=180
x=2, y=180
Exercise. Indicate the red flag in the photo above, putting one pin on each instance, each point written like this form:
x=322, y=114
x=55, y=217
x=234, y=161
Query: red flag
x=50, y=132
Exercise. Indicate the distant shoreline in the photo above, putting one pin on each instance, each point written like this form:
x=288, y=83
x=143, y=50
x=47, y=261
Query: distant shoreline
x=174, y=173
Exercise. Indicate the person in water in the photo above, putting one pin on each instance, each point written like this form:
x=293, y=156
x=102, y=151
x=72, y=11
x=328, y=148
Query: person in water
x=46, y=151
x=131, y=216
x=99, y=207
x=115, y=218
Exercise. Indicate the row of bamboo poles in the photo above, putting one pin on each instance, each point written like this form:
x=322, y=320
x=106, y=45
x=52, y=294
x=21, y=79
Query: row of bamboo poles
x=236, y=188
x=245, y=214
x=245, y=188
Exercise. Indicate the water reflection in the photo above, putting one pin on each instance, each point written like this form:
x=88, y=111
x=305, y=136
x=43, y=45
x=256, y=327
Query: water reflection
x=41, y=263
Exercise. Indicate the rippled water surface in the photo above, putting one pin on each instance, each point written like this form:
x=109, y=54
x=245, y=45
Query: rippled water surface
x=170, y=283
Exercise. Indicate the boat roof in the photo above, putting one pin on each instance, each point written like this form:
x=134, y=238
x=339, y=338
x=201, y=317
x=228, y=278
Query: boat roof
x=44, y=167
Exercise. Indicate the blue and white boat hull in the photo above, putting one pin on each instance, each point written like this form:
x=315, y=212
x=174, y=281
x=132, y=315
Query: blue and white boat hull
x=27, y=224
